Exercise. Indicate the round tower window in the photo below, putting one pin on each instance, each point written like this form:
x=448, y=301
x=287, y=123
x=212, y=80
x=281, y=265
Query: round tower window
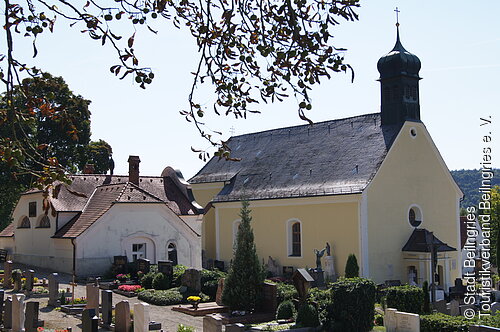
x=413, y=132
x=414, y=216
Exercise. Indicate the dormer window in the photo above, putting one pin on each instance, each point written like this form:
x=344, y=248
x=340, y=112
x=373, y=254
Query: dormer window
x=32, y=209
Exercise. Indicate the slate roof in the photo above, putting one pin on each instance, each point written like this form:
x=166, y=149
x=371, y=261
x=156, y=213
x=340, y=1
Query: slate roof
x=327, y=158
x=421, y=239
x=94, y=194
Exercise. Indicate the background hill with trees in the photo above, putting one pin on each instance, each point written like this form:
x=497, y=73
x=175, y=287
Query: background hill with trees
x=469, y=180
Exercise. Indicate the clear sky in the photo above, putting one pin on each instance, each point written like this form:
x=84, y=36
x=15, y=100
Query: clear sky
x=458, y=43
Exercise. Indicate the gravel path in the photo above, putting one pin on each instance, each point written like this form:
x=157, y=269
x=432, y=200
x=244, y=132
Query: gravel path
x=55, y=319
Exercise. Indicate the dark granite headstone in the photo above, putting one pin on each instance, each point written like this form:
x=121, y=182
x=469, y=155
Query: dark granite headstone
x=107, y=307
x=318, y=276
x=219, y=265
x=192, y=279
x=143, y=265
x=30, y=279
x=2, y=293
x=7, y=316
x=270, y=298
x=166, y=267
x=120, y=260
x=31, y=317
x=90, y=322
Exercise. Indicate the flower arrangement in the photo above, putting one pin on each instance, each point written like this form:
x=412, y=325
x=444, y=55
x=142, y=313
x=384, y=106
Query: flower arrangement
x=129, y=288
x=194, y=300
x=122, y=277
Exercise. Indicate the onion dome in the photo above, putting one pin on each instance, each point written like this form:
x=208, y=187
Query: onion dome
x=398, y=62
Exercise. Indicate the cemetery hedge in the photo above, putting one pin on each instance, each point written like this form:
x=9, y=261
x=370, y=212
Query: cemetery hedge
x=285, y=310
x=161, y=297
x=285, y=292
x=444, y=323
x=307, y=316
x=352, y=306
x=210, y=282
x=405, y=298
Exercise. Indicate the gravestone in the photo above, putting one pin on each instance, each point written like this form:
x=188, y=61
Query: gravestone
x=7, y=315
x=7, y=275
x=273, y=267
x=287, y=271
x=92, y=297
x=90, y=321
x=2, y=293
x=107, y=307
x=120, y=263
x=192, y=279
x=31, y=317
x=390, y=321
x=53, y=289
x=269, y=297
x=302, y=281
x=496, y=295
x=454, y=308
x=318, y=276
x=30, y=279
x=141, y=317
x=407, y=322
x=238, y=327
x=495, y=306
x=464, y=307
x=122, y=317
x=220, y=289
x=166, y=267
x=17, y=280
x=330, y=269
x=441, y=307
x=212, y=323
x=219, y=265
x=18, y=307
x=143, y=265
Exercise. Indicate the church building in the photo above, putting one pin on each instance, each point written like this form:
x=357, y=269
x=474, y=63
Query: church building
x=373, y=185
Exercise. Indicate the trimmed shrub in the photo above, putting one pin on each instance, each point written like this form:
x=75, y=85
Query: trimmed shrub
x=161, y=297
x=161, y=281
x=351, y=267
x=210, y=281
x=185, y=328
x=352, y=308
x=286, y=310
x=322, y=299
x=147, y=280
x=307, y=316
x=405, y=298
x=285, y=292
x=379, y=320
x=443, y=323
x=178, y=272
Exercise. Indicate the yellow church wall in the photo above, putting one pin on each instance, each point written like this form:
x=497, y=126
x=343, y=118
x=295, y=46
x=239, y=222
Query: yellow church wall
x=208, y=233
x=205, y=192
x=333, y=219
x=412, y=173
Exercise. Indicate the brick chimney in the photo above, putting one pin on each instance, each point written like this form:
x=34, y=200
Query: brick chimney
x=88, y=169
x=133, y=169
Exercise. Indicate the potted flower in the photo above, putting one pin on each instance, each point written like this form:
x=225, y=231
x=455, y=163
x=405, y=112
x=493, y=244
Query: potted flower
x=194, y=300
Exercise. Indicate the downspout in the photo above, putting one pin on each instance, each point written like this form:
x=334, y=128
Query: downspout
x=74, y=257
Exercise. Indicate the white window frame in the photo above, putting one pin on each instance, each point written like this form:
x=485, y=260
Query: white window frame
x=135, y=253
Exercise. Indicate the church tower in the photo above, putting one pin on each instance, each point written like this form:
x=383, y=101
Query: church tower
x=399, y=85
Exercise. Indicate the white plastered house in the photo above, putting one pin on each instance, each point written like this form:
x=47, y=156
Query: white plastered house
x=82, y=226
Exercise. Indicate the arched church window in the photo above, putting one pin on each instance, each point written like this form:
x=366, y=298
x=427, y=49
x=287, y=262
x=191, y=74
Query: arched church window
x=172, y=253
x=44, y=222
x=414, y=216
x=25, y=223
x=296, y=239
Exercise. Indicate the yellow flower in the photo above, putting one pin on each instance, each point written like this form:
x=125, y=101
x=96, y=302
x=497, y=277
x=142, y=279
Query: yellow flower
x=194, y=298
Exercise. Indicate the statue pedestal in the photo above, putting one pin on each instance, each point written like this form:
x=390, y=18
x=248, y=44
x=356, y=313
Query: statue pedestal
x=330, y=269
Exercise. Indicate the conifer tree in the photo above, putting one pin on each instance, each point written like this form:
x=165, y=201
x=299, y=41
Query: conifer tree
x=351, y=267
x=242, y=287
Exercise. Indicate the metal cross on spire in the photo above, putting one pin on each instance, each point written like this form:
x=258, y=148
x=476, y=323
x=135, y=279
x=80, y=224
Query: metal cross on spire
x=397, y=16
